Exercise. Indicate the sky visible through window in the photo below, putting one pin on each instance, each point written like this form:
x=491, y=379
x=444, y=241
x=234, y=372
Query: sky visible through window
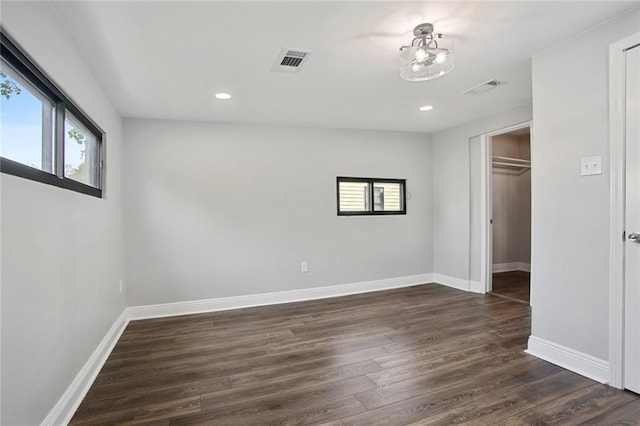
x=21, y=129
x=21, y=118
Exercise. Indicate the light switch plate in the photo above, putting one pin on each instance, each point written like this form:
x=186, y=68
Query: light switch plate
x=591, y=166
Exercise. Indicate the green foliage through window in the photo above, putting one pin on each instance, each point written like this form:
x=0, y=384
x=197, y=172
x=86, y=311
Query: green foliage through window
x=8, y=86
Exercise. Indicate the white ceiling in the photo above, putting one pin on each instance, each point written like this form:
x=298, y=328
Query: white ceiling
x=167, y=59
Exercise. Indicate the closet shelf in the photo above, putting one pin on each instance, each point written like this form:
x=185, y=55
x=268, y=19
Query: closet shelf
x=508, y=162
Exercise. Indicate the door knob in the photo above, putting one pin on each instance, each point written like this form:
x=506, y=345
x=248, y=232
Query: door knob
x=635, y=237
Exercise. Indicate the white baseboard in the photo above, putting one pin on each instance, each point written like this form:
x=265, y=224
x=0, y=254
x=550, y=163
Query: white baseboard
x=512, y=266
x=67, y=405
x=264, y=299
x=459, y=283
x=578, y=362
x=476, y=287
x=454, y=282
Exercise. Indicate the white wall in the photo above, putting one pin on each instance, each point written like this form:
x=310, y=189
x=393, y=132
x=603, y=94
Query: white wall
x=570, y=217
x=524, y=203
x=454, y=256
x=217, y=210
x=61, y=251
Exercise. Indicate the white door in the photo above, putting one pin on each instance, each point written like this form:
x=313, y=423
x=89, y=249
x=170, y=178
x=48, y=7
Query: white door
x=632, y=223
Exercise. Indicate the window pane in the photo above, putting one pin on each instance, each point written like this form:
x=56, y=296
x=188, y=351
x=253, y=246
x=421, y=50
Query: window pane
x=81, y=152
x=387, y=196
x=354, y=196
x=27, y=121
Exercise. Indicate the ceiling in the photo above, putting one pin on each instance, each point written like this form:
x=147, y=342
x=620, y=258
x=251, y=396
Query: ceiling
x=165, y=59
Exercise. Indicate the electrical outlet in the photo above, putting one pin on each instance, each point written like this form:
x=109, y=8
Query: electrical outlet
x=121, y=283
x=304, y=266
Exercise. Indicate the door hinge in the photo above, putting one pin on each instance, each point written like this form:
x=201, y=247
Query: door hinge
x=624, y=235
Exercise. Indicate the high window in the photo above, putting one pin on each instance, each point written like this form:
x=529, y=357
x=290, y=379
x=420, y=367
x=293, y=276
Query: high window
x=44, y=136
x=369, y=196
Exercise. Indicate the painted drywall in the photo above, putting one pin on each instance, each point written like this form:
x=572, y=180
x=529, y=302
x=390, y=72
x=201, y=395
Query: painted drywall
x=524, y=203
x=62, y=251
x=216, y=210
x=511, y=202
x=474, y=207
x=453, y=178
x=570, y=213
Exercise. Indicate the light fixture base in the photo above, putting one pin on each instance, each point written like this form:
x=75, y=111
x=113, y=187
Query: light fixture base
x=423, y=30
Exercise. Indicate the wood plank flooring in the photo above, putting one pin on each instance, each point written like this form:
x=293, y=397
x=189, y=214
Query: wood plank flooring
x=513, y=284
x=422, y=355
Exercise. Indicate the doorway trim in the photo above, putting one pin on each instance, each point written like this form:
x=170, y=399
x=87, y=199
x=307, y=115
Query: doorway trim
x=486, y=257
x=617, y=97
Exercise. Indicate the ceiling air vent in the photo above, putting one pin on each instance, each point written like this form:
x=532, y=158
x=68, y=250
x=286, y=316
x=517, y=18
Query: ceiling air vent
x=291, y=60
x=483, y=87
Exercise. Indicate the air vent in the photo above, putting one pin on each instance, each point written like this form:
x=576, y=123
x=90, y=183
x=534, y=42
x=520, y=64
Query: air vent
x=483, y=87
x=290, y=60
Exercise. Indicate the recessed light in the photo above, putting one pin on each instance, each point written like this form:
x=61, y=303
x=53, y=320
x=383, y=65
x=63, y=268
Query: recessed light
x=223, y=96
x=426, y=108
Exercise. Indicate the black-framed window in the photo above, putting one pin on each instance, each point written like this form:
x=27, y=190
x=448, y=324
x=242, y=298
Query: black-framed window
x=370, y=196
x=45, y=136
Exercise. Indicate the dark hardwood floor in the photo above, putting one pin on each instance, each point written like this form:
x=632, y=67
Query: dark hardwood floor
x=513, y=284
x=421, y=355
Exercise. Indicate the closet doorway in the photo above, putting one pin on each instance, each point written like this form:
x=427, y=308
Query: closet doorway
x=507, y=203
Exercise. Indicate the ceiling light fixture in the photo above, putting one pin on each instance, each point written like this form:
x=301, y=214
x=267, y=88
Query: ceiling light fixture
x=223, y=96
x=429, y=55
x=426, y=108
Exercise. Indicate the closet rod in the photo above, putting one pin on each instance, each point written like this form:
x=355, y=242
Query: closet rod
x=519, y=165
x=511, y=159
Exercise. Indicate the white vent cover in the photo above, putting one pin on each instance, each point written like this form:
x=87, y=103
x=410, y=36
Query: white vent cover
x=290, y=60
x=483, y=87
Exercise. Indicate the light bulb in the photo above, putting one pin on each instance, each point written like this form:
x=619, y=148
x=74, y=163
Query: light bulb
x=420, y=54
x=223, y=96
x=441, y=57
x=415, y=67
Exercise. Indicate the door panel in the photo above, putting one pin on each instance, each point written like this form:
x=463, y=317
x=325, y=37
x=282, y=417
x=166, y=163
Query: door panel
x=632, y=223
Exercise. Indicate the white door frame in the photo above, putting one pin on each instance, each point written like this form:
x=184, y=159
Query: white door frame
x=617, y=96
x=486, y=255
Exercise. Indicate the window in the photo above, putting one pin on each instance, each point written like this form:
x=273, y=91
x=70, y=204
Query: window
x=44, y=136
x=369, y=196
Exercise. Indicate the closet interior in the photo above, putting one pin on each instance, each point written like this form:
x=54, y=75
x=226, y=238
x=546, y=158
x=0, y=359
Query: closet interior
x=511, y=204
